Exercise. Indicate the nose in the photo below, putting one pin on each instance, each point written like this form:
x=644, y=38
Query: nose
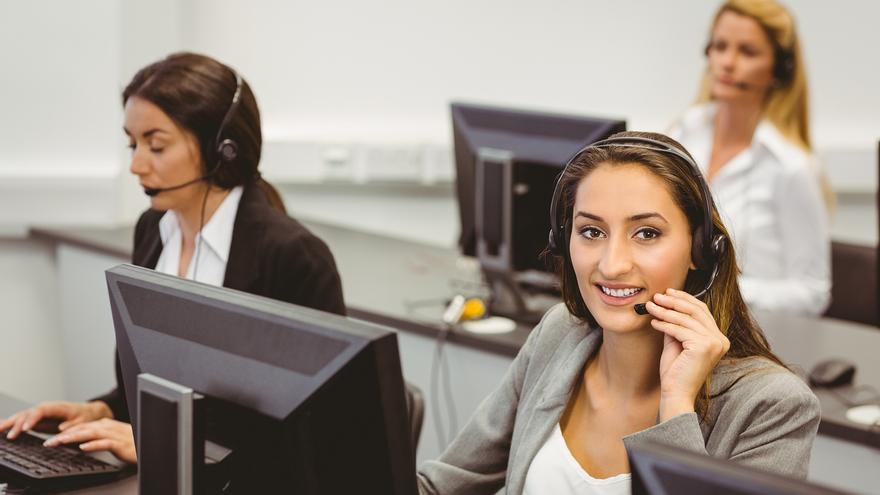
x=726, y=58
x=139, y=164
x=616, y=260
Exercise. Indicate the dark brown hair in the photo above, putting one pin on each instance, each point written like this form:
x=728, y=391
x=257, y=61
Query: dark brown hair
x=196, y=91
x=723, y=299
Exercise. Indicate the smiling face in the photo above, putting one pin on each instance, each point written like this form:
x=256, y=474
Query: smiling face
x=741, y=58
x=629, y=240
x=162, y=155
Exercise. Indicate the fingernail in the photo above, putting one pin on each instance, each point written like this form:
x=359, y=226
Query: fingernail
x=51, y=442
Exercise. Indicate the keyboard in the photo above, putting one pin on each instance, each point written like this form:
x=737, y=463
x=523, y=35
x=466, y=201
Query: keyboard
x=27, y=458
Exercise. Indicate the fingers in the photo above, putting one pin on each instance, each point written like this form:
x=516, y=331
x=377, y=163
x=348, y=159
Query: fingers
x=23, y=421
x=103, y=434
x=685, y=303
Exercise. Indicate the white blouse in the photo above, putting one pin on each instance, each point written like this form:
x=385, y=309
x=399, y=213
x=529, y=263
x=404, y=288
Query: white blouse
x=769, y=199
x=555, y=470
x=212, y=243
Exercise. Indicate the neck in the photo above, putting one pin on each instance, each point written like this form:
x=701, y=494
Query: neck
x=736, y=121
x=628, y=365
x=190, y=216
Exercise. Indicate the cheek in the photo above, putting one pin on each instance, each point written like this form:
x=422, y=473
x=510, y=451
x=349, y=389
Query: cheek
x=177, y=163
x=666, y=266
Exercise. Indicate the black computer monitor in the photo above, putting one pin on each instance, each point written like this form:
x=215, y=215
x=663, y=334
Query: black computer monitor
x=307, y=402
x=663, y=470
x=507, y=161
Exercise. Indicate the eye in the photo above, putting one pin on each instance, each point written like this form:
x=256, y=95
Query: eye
x=156, y=150
x=647, y=234
x=591, y=233
x=718, y=46
x=130, y=146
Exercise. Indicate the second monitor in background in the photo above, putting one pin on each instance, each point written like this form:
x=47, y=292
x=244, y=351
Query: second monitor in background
x=507, y=161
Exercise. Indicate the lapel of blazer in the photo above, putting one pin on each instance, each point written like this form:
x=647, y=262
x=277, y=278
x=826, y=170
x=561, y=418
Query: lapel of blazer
x=147, y=254
x=557, y=383
x=247, y=234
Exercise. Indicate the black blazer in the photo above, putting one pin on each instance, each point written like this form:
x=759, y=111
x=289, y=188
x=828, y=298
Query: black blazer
x=270, y=255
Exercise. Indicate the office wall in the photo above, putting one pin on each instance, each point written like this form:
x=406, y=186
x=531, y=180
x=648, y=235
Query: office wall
x=30, y=352
x=351, y=69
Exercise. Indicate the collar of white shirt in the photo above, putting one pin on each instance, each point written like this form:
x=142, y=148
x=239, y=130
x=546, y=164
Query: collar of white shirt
x=217, y=233
x=699, y=121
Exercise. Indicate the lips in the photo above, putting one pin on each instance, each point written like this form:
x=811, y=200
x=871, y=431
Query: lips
x=618, y=295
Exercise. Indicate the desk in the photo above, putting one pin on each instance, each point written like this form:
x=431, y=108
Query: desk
x=125, y=486
x=385, y=280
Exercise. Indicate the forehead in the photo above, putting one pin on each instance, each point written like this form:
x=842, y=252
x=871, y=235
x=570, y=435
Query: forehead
x=623, y=190
x=142, y=115
x=737, y=26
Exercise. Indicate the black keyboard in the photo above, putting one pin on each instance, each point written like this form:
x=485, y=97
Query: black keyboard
x=27, y=457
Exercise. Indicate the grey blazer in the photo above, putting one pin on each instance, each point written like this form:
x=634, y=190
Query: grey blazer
x=760, y=415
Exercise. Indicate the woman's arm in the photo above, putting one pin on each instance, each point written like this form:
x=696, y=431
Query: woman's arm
x=774, y=429
x=476, y=461
x=806, y=250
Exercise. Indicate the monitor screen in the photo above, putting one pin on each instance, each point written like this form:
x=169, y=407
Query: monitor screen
x=305, y=400
x=507, y=161
x=663, y=470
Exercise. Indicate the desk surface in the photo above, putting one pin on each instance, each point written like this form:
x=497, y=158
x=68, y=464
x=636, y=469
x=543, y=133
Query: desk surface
x=403, y=284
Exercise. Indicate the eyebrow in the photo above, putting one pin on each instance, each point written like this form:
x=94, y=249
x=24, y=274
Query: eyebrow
x=634, y=218
x=148, y=133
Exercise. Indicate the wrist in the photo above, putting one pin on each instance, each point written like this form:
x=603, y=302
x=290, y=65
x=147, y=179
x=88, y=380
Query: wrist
x=99, y=410
x=671, y=407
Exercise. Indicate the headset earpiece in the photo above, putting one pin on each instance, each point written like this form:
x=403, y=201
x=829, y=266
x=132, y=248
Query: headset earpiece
x=783, y=67
x=227, y=151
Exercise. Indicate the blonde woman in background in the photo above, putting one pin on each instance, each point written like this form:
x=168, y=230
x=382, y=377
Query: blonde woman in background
x=749, y=133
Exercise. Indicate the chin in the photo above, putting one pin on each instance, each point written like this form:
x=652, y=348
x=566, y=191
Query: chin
x=621, y=319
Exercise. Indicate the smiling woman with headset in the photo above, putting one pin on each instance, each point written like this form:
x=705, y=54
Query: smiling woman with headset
x=194, y=130
x=749, y=133
x=653, y=343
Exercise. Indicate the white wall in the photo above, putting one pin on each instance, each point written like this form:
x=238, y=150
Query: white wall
x=363, y=69
x=366, y=84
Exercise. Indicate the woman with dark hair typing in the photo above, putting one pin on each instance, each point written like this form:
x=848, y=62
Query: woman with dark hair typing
x=194, y=130
x=653, y=343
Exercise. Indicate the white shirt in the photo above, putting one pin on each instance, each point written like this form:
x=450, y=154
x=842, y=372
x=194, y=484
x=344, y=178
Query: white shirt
x=212, y=243
x=555, y=470
x=769, y=199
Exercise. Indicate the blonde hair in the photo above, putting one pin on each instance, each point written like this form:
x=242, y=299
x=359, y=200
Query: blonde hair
x=787, y=102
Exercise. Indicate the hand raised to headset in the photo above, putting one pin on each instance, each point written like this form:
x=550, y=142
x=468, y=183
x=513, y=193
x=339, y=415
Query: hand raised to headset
x=71, y=413
x=692, y=346
x=103, y=434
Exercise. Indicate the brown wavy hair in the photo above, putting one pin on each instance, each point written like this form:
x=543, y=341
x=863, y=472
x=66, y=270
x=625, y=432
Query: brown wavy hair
x=196, y=91
x=724, y=299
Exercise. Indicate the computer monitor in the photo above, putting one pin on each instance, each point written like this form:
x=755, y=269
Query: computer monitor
x=663, y=470
x=507, y=162
x=307, y=402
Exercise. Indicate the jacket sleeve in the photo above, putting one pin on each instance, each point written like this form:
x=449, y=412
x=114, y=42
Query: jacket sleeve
x=776, y=432
x=806, y=244
x=476, y=461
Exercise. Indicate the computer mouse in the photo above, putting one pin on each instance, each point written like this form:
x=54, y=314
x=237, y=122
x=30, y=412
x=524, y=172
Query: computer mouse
x=832, y=373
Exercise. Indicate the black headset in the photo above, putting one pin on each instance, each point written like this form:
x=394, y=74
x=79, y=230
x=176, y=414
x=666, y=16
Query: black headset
x=227, y=149
x=707, y=247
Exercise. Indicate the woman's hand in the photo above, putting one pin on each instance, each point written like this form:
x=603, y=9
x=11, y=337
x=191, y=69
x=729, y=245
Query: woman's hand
x=71, y=414
x=692, y=346
x=104, y=434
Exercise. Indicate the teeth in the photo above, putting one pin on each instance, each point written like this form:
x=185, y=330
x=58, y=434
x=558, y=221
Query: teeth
x=619, y=292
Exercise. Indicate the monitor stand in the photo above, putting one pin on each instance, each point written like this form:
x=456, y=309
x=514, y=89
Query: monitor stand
x=173, y=455
x=510, y=299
